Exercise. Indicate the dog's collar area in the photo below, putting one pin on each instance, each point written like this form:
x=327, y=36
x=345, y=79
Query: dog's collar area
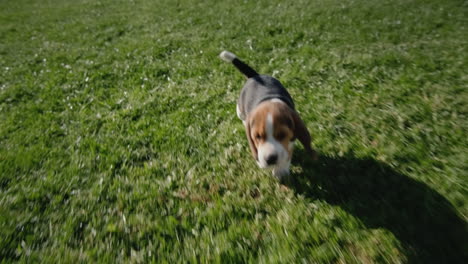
x=278, y=100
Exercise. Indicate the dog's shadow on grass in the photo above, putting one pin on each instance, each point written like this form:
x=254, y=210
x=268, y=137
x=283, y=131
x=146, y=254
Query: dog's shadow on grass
x=425, y=223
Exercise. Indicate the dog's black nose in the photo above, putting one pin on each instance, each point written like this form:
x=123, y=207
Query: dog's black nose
x=270, y=160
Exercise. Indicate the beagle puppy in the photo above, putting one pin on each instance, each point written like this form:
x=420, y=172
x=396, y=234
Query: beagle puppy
x=268, y=114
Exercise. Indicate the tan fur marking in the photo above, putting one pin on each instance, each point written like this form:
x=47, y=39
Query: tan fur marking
x=282, y=132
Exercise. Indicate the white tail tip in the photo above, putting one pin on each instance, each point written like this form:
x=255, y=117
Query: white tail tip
x=227, y=56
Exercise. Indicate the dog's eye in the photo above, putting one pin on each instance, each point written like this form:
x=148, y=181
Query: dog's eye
x=280, y=135
x=258, y=137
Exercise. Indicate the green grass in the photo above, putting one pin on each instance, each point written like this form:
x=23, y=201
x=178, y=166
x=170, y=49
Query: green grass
x=119, y=139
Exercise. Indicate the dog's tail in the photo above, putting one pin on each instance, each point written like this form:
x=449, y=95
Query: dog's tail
x=240, y=65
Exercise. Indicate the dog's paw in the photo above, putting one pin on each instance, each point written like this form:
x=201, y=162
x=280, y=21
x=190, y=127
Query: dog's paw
x=280, y=173
x=314, y=155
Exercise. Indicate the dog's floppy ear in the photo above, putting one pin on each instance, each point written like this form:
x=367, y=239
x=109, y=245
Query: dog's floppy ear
x=249, y=137
x=301, y=133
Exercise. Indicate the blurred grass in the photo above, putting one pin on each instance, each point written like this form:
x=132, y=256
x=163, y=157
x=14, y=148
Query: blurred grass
x=119, y=139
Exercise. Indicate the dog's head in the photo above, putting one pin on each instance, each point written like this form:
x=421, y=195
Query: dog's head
x=271, y=130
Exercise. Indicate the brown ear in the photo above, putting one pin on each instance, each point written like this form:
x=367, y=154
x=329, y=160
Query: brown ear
x=249, y=137
x=301, y=133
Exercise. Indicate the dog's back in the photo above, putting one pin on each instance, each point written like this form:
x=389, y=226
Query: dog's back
x=261, y=88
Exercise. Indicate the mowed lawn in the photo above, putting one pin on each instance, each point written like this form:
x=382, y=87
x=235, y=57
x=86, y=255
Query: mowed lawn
x=119, y=139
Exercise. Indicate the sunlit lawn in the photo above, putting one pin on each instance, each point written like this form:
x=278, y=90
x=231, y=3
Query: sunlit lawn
x=119, y=139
